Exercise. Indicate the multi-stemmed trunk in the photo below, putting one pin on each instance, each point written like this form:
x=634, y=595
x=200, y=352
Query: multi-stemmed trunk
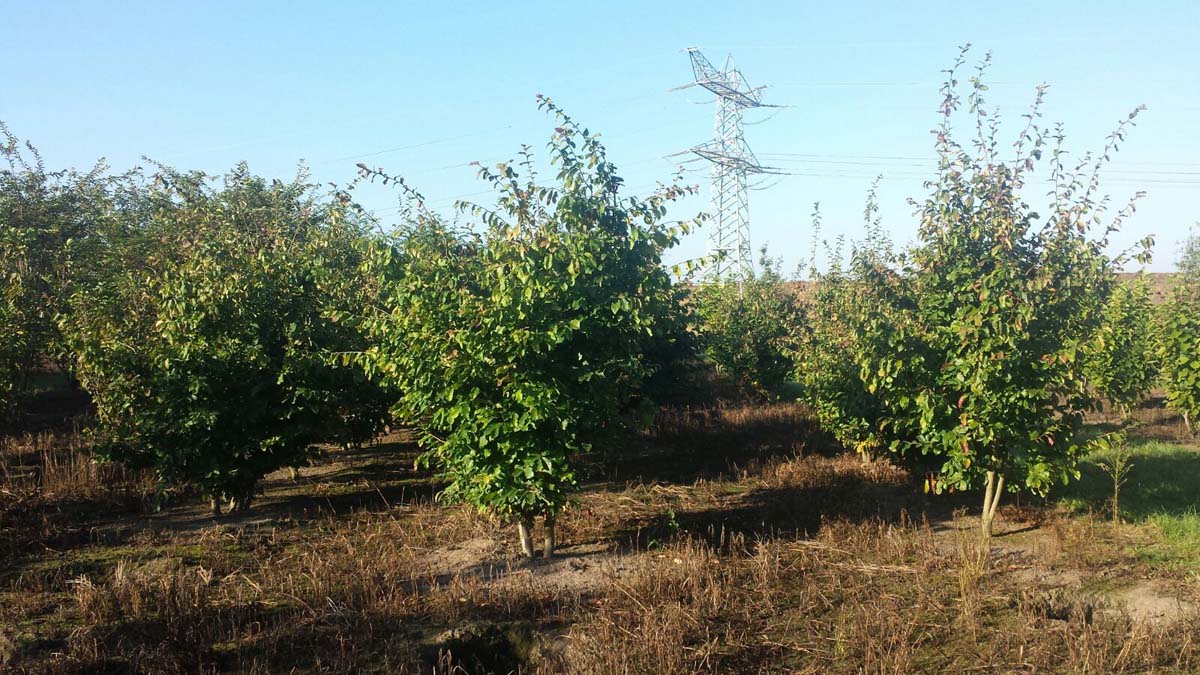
x=991, y=500
x=238, y=502
x=525, y=531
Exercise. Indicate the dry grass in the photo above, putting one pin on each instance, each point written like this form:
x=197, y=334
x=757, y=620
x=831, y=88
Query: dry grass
x=60, y=467
x=862, y=597
x=51, y=490
x=777, y=559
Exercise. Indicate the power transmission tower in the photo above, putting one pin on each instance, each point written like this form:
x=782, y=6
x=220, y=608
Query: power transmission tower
x=732, y=161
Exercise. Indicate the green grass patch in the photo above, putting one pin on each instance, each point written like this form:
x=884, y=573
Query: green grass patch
x=1162, y=490
x=1182, y=531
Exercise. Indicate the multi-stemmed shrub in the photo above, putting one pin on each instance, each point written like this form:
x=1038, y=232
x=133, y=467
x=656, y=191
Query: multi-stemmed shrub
x=203, y=332
x=510, y=344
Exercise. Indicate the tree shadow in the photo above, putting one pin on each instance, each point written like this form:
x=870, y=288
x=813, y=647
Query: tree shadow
x=375, y=478
x=689, y=443
x=794, y=512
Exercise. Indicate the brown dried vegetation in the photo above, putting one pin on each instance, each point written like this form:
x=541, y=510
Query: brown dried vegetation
x=720, y=541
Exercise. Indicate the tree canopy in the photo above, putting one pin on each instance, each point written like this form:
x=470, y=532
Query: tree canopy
x=510, y=344
x=203, y=332
x=978, y=358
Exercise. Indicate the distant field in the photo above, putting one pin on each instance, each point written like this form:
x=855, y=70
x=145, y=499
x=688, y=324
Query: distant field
x=1162, y=284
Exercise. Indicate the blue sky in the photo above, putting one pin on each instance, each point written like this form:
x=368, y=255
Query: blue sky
x=423, y=89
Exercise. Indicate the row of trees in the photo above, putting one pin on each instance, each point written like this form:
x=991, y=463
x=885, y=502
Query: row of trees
x=195, y=312
x=200, y=324
x=45, y=218
x=747, y=326
x=223, y=328
x=865, y=352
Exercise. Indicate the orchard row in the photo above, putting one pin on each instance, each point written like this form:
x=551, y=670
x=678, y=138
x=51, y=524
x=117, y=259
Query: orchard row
x=224, y=328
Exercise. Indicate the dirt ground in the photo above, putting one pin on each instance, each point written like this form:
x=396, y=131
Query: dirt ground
x=732, y=538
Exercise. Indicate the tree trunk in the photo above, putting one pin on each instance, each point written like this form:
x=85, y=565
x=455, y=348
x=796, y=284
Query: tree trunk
x=991, y=500
x=525, y=530
x=548, y=548
x=214, y=503
x=1187, y=422
x=240, y=503
x=295, y=471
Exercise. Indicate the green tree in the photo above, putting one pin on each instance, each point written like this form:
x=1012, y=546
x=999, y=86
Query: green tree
x=46, y=217
x=1189, y=260
x=853, y=326
x=1121, y=361
x=202, y=332
x=1180, y=351
x=745, y=327
x=512, y=344
x=984, y=371
x=1180, y=348
x=1005, y=302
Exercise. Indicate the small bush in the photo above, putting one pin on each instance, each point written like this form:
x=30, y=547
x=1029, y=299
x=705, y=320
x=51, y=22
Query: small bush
x=746, y=327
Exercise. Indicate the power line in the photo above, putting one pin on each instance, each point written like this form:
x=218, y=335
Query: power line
x=933, y=165
x=423, y=144
x=1117, y=162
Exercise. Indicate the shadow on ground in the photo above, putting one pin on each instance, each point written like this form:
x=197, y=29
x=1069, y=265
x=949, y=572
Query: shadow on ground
x=687, y=444
x=373, y=478
x=797, y=511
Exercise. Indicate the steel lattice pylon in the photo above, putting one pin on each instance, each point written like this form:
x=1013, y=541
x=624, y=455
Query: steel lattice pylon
x=732, y=161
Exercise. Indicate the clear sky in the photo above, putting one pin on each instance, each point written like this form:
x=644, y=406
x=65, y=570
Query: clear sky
x=422, y=89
